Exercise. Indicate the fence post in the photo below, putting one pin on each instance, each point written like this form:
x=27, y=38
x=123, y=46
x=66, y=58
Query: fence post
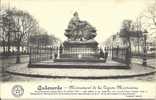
x=58, y=52
x=30, y=56
x=46, y=48
x=35, y=54
x=40, y=53
x=50, y=52
x=112, y=53
x=127, y=56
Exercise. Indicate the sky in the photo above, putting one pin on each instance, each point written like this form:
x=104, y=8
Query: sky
x=105, y=15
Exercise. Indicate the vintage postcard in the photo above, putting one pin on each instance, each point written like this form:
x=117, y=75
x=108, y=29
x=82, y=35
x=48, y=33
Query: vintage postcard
x=78, y=49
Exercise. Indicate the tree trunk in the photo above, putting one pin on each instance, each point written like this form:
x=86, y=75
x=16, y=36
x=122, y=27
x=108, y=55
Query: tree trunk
x=18, y=54
x=22, y=49
x=130, y=52
x=138, y=47
x=3, y=49
x=8, y=44
x=3, y=45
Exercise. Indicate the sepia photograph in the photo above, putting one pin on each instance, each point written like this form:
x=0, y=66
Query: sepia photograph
x=77, y=41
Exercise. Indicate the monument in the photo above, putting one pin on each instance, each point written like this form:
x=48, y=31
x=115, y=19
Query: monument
x=80, y=44
x=79, y=50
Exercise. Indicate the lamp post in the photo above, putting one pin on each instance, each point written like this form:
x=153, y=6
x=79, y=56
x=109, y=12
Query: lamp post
x=145, y=49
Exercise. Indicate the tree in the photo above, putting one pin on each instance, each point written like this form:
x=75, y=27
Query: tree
x=43, y=40
x=25, y=25
x=149, y=18
x=151, y=13
x=126, y=31
x=138, y=27
x=3, y=33
x=6, y=28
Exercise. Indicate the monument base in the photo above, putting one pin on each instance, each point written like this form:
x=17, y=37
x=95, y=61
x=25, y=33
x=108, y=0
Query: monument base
x=79, y=65
x=77, y=50
x=79, y=60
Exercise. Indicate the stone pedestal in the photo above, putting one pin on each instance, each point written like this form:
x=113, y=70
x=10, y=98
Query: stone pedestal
x=79, y=50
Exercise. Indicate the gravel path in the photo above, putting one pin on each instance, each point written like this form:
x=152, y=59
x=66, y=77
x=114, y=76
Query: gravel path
x=137, y=71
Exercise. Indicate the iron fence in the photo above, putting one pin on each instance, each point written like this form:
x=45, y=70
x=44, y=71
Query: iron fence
x=121, y=55
x=38, y=54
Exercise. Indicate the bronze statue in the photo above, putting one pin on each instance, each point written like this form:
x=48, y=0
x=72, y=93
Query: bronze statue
x=79, y=30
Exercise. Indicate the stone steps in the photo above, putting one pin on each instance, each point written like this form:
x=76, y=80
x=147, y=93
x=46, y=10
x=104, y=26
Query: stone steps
x=79, y=60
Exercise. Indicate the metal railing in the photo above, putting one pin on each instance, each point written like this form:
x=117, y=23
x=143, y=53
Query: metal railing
x=121, y=55
x=38, y=54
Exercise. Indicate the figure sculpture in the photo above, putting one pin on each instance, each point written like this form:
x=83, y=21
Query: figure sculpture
x=79, y=30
